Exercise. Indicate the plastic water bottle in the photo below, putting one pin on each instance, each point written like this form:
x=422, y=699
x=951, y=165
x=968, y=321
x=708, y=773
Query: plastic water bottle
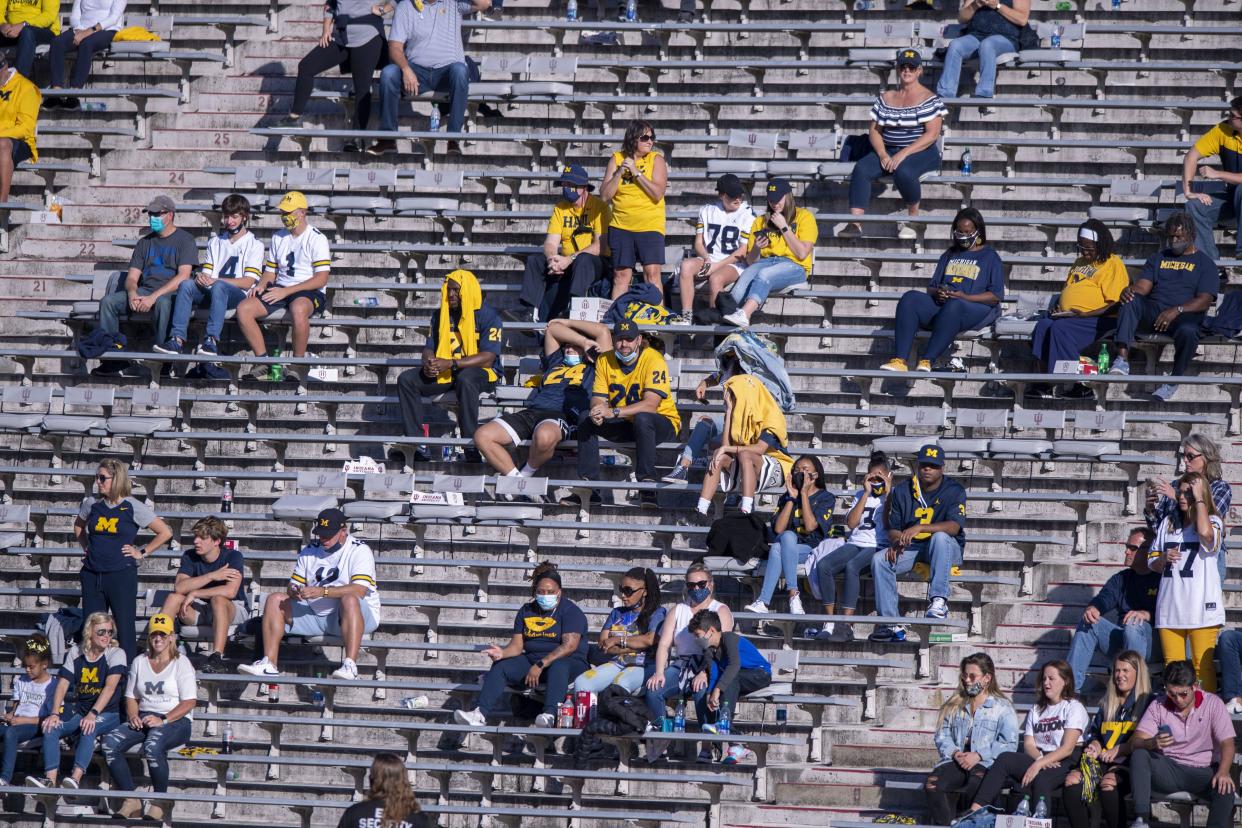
x=433, y=121
x=631, y=11
x=615, y=460
x=367, y=302
x=724, y=722
x=226, y=738
x=864, y=5
x=317, y=700
x=226, y=498
x=276, y=372
x=1041, y=809
x=679, y=717
x=571, y=11
x=1104, y=360
x=94, y=106
x=1024, y=809
x=965, y=162
x=1064, y=5
x=1055, y=39
x=782, y=718
x=1116, y=5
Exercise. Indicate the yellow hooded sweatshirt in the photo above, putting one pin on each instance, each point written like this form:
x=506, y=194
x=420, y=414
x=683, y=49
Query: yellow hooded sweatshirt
x=463, y=342
x=19, y=111
x=754, y=412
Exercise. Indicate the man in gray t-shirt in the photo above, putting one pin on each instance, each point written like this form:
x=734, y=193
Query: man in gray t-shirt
x=162, y=260
x=427, y=56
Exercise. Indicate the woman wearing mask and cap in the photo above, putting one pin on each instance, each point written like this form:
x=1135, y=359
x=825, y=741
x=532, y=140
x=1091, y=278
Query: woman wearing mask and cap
x=780, y=253
x=901, y=142
x=548, y=648
x=1087, y=308
x=964, y=294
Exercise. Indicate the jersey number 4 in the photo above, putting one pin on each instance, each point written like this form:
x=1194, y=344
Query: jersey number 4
x=618, y=394
x=229, y=271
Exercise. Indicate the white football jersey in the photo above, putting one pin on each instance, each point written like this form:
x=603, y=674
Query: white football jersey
x=724, y=232
x=352, y=563
x=298, y=258
x=238, y=259
x=1190, y=595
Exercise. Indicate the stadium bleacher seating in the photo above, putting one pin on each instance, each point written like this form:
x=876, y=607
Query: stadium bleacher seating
x=757, y=87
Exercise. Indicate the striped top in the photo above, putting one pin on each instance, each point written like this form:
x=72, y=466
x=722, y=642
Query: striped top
x=901, y=126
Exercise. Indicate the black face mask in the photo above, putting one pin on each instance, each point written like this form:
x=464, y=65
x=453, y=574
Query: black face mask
x=799, y=480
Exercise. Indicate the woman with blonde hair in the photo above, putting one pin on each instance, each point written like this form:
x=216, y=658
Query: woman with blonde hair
x=1108, y=744
x=390, y=801
x=94, y=671
x=974, y=726
x=1190, y=606
x=107, y=528
x=1199, y=454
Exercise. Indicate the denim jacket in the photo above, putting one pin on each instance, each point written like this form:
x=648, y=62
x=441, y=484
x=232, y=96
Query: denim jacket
x=993, y=730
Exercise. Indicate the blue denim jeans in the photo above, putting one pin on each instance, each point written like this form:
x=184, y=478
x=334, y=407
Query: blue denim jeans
x=13, y=736
x=850, y=562
x=104, y=724
x=940, y=552
x=220, y=298
x=1229, y=653
x=774, y=273
x=706, y=432
x=784, y=556
x=1110, y=639
x=453, y=79
x=961, y=48
x=1224, y=206
x=156, y=743
x=116, y=303
x=657, y=700
x=868, y=170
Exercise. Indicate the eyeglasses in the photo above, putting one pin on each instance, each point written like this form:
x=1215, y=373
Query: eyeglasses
x=103, y=632
x=628, y=591
x=696, y=584
x=647, y=137
x=102, y=478
x=1191, y=455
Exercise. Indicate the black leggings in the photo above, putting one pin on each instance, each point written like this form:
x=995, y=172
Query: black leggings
x=1008, y=769
x=947, y=786
x=363, y=61
x=1112, y=803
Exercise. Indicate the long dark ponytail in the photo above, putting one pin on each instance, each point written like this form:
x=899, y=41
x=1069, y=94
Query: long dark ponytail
x=651, y=594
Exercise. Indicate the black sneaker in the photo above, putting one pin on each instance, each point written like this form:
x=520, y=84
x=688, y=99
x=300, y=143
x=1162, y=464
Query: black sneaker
x=289, y=120
x=52, y=102
x=133, y=370
x=215, y=664
x=472, y=455
x=352, y=146
x=685, y=17
x=70, y=104
x=172, y=346
x=1041, y=390
x=648, y=500
x=679, y=476
x=1078, y=391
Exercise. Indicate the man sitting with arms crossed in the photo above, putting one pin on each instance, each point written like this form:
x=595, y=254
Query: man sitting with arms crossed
x=927, y=524
x=331, y=592
x=1183, y=744
x=1132, y=594
x=208, y=590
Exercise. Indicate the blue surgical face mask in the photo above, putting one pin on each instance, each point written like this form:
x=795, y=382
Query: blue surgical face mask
x=573, y=359
x=698, y=596
x=547, y=602
x=156, y=223
x=628, y=359
x=569, y=194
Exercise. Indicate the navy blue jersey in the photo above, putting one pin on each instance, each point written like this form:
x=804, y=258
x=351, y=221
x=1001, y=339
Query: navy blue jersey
x=908, y=507
x=970, y=271
x=563, y=388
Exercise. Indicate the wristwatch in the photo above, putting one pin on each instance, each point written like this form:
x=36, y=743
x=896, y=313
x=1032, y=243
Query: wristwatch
x=1181, y=309
x=539, y=664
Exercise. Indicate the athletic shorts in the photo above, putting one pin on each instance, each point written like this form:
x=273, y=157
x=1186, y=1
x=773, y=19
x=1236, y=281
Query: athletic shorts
x=771, y=476
x=521, y=425
x=306, y=622
x=316, y=297
x=700, y=282
x=629, y=248
x=206, y=616
x=21, y=151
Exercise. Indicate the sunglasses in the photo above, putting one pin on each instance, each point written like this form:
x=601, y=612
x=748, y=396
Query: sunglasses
x=628, y=591
x=1191, y=455
x=1186, y=493
x=103, y=632
x=102, y=478
x=647, y=137
x=696, y=584
x=1130, y=547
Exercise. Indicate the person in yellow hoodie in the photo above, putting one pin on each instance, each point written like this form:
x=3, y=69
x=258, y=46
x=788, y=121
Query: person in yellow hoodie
x=27, y=24
x=462, y=354
x=752, y=456
x=19, y=114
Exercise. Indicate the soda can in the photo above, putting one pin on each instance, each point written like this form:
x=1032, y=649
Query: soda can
x=230, y=545
x=594, y=704
x=666, y=724
x=582, y=708
x=273, y=693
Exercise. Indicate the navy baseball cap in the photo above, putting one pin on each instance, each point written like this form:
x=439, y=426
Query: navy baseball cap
x=931, y=455
x=730, y=185
x=909, y=57
x=778, y=188
x=329, y=522
x=575, y=176
x=625, y=329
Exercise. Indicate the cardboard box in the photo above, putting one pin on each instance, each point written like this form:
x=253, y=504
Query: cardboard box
x=589, y=308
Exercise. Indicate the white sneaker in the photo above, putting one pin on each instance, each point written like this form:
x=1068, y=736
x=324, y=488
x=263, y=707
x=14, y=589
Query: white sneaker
x=738, y=318
x=262, y=667
x=1234, y=707
x=938, y=608
x=545, y=720
x=795, y=605
x=474, y=718
x=905, y=231
x=348, y=670
x=758, y=606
